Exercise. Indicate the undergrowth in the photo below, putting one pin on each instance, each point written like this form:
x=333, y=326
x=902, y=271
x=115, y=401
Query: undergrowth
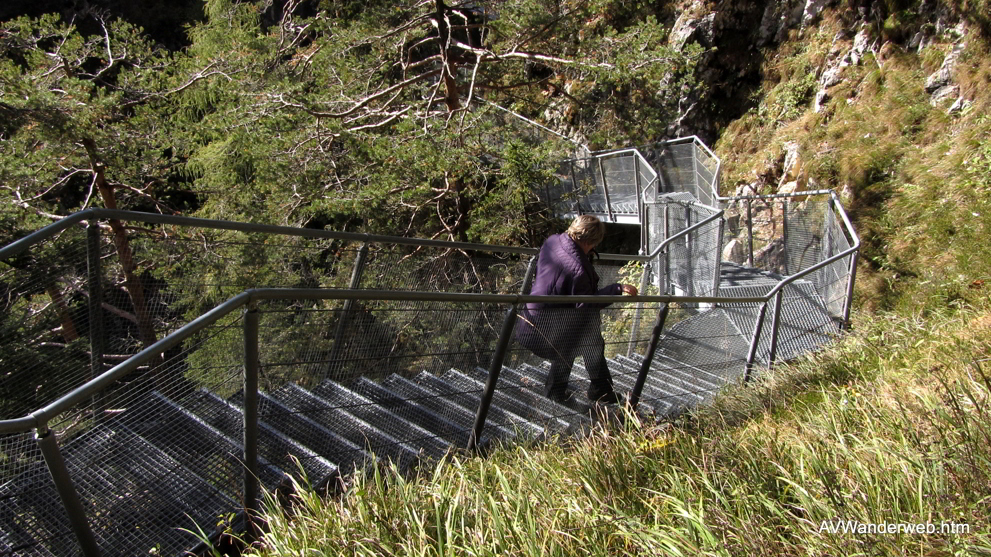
x=890, y=426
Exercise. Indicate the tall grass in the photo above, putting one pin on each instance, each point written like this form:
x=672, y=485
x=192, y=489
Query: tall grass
x=892, y=425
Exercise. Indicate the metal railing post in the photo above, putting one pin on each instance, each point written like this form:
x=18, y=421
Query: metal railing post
x=251, y=368
x=775, y=325
x=648, y=357
x=750, y=234
x=635, y=329
x=718, y=258
x=638, y=183
x=97, y=345
x=784, y=236
x=752, y=352
x=848, y=303
x=690, y=247
x=574, y=187
x=67, y=492
x=356, y=274
x=605, y=190
x=667, y=252
x=498, y=358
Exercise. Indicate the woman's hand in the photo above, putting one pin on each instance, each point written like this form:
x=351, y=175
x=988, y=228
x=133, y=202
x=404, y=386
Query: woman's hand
x=628, y=290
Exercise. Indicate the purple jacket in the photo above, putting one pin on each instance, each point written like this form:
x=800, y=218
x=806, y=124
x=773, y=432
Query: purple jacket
x=563, y=269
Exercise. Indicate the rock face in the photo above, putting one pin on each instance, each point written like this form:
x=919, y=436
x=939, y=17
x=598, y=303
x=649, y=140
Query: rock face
x=736, y=34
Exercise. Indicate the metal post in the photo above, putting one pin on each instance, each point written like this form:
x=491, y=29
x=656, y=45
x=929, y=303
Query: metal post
x=667, y=251
x=718, y=258
x=251, y=368
x=356, y=273
x=784, y=235
x=775, y=325
x=640, y=205
x=490, y=383
x=97, y=345
x=752, y=352
x=750, y=234
x=648, y=358
x=574, y=187
x=635, y=330
x=695, y=171
x=605, y=190
x=67, y=492
x=849, y=290
x=689, y=247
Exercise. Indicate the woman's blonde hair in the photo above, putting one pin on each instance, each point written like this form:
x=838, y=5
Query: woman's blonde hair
x=587, y=229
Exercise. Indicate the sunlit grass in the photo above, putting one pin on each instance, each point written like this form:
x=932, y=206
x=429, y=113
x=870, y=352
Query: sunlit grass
x=892, y=425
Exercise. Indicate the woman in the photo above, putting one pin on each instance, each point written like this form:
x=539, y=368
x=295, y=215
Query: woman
x=561, y=332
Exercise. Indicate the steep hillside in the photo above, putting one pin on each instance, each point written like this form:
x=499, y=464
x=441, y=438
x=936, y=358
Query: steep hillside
x=886, y=103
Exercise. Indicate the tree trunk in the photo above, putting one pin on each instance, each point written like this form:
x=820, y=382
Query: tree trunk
x=452, y=93
x=69, y=332
x=132, y=283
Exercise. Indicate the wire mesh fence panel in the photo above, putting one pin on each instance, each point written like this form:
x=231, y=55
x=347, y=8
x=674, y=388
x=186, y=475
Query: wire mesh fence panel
x=675, y=164
x=833, y=280
x=44, y=324
x=32, y=521
x=396, y=267
x=803, y=324
x=706, y=168
x=690, y=263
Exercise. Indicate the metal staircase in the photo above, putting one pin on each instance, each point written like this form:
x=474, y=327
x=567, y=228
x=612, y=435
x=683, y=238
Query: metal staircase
x=140, y=451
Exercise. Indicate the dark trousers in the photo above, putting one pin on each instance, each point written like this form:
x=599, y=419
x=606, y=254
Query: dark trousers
x=561, y=335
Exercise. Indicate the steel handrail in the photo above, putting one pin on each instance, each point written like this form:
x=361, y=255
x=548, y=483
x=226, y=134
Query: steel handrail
x=39, y=418
x=20, y=245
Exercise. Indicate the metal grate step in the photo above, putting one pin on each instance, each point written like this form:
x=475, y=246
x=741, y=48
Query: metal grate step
x=272, y=410
x=275, y=447
x=355, y=430
x=33, y=521
x=204, y=449
x=657, y=400
x=413, y=411
x=699, y=384
x=139, y=496
x=665, y=372
x=577, y=398
x=398, y=427
x=135, y=495
x=527, y=394
x=498, y=415
x=439, y=404
x=708, y=341
x=529, y=411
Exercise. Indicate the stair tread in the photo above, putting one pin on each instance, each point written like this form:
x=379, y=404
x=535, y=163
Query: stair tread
x=528, y=394
x=357, y=432
x=532, y=411
x=275, y=447
x=391, y=423
x=436, y=403
x=412, y=410
x=498, y=416
x=343, y=452
x=209, y=452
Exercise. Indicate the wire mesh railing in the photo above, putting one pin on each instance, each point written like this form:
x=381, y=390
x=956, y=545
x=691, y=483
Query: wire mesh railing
x=188, y=365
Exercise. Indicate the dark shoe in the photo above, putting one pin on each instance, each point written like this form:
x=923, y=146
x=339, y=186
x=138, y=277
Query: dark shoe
x=562, y=396
x=607, y=397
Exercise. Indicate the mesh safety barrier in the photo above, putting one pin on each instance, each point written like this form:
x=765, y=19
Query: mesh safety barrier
x=351, y=350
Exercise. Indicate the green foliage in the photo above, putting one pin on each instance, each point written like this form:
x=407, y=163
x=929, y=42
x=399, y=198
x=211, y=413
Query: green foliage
x=759, y=472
